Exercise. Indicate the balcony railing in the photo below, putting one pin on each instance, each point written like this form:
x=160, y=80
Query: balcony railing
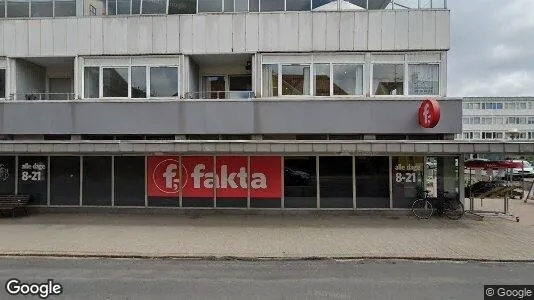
x=220, y=95
x=41, y=96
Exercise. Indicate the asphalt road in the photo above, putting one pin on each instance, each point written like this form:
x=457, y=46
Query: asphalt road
x=197, y=279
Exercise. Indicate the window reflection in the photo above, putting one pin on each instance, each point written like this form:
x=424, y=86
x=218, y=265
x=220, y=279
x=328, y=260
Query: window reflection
x=18, y=8
x=115, y=82
x=388, y=79
x=348, y=79
x=139, y=82
x=300, y=182
x=164, y=82
x=42, y=8
x=91, y=82
x=322, y=79
x=295, y=80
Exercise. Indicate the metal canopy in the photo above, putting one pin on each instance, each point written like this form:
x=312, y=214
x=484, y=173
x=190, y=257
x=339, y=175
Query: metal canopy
x=265, y=147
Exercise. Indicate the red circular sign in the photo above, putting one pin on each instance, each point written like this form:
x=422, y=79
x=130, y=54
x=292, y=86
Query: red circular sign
x=429, y=113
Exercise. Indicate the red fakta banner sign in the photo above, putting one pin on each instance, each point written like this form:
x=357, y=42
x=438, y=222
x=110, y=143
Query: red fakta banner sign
x=205, y=176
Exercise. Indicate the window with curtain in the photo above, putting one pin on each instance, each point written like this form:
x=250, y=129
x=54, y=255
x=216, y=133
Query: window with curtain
x=348, y=79
x=295, y=79
x=388, y=79
x=424, y=79
x=91, y=82
x=270, y=80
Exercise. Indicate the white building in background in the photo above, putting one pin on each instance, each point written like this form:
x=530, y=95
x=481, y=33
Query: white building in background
x=490, y=118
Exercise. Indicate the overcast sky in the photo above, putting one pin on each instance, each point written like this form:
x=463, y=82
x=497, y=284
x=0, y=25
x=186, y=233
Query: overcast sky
x=492, y=48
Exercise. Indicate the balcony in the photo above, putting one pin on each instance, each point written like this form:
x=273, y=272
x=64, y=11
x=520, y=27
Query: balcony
x=229, y=95
x=41, y=96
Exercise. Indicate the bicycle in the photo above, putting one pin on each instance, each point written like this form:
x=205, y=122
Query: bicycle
x=422, y=207
x=451, y=207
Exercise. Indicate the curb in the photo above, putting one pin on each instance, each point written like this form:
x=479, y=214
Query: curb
x=266, y=258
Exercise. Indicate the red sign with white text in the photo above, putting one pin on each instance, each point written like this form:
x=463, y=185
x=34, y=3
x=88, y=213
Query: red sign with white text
x=266, y=177
x=230, y=177
x=429, y=113
x=163, y=176
x=200, y=177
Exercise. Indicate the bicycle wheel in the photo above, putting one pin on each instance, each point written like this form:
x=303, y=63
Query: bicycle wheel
x=453, y=209
x=422, y=209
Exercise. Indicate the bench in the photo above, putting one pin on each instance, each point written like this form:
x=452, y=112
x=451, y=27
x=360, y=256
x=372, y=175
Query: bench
x=12, y=202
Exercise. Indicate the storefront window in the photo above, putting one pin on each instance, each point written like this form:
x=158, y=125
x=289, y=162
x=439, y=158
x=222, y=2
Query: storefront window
x=228, y=195
x=163, y=82
x=129, y=180
x=270, y=81
x=96, y=181
x=372, y=182
x=7, y=174
x=335, y=180
x=115, y=82
x=139, y=82
x=64, y=180
x=199, y=193
x=32, y=178
x=424, y=79
x=272, y=5
x=408, y=183
x=300, y=182
x=270, y=194
x=348, y=79
x=42, y=8
x=321, y=79
x=388, y=79
x=295, y=80
x=18, y=8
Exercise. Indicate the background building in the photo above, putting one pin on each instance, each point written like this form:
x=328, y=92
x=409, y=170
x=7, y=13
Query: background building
x=258, y=74
x=498, y=118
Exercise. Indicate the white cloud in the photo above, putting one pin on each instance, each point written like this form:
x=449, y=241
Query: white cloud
x=502, y=84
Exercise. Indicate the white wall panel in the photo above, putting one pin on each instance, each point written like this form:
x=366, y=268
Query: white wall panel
x=375, y=30
x=47, y=37
x=346, y=31
x=96, y=36
x=2, y=38
x=305, y=32
x=72, y=37
x=402, y=24
x=361, y=30
x=239, y=33
x=21, y=28
x=269, y=31
x=200, y=34
x=332, y=31
x=186, y=33
x=84, y=36
x=34, y=37
x=442, y=29
x=211, y=34
x=173, y=34
x=145, y=34
x=415, y=30
x=133, y=35
x=252, y=32
x=289, y=31
x=388, y=30
x=60, y=37
x=225, y=33
x=159, y=35
x=319, y=31
x=429, y=30
x=115, y=35
x=10, y=36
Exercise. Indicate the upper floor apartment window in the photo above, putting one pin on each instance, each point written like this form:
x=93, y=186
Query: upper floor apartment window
x=389, y=79
x=37, y=8
x=133, y=81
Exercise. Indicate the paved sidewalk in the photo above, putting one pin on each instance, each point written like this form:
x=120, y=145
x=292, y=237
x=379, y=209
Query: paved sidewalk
x=254, y=236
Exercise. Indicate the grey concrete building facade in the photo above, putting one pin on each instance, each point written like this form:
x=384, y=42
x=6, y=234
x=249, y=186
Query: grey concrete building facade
x=82, y=75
